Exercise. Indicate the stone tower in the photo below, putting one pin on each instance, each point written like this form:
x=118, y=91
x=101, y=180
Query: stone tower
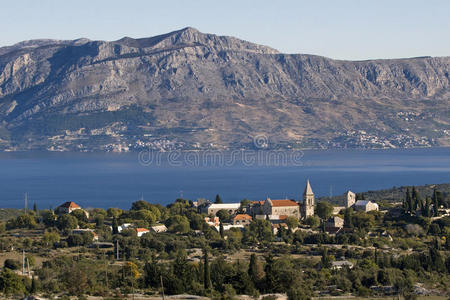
x=351, y=199
x=308, y=201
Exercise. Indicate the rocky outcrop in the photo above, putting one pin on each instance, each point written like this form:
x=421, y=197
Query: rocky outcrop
x=197, y=90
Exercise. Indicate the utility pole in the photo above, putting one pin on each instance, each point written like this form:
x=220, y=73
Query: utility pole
x=23, y=262
x=162, y=286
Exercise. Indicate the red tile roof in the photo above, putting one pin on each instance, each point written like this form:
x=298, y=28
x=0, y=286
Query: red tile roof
x=70, y=204
x=142, y=229
x=285, y=202
x=242, y=217
x=257, y=202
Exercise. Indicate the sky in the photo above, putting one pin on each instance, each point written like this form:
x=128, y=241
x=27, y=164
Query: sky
x=340, y=29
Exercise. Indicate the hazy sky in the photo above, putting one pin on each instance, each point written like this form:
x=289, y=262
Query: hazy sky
x=343, y=29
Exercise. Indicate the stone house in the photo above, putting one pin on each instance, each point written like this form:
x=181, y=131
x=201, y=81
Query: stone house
x=334, y=224
x=281, y=207
x=242, y=219
x=365, y=205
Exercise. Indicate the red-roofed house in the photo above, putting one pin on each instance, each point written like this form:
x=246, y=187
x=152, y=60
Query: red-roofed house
x=242, y=219
x=285, y=207
x=141, y=231
x=67, y=207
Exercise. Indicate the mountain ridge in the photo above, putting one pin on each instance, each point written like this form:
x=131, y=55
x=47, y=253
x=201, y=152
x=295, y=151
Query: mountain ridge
x=191, y=90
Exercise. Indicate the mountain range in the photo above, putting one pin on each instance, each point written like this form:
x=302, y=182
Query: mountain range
x=194, y=91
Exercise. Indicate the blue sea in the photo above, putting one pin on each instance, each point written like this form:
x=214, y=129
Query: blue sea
x=117, y=180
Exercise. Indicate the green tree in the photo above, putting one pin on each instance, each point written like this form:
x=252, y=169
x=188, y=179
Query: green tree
x=80, y=215
x=426, y=208
x=99, y=221
x=416, y=200
x=223, y=215
x=348, y=223
x=145, y=215
x=408, y=201
x=11, y=283
x=66, y=222
x=178, y=224
x=292, y=222
x=435, y=203
x=35, y=207
x=114, y=212
x=312, y=221
x=34, y=285
x=255, y=270
x=221, y=229
x=22, y=221
x=49, y=238
x=270, y=282
x=12, y=264
x=325, y=260
x=245, y=203
x=259, y=229
x=48, y=218
x=324, y=210
x=218, y=199
x=299, y=293
x=115, y=226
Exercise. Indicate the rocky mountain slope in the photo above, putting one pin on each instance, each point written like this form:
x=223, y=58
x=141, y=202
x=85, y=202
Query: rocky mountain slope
x=190, y=90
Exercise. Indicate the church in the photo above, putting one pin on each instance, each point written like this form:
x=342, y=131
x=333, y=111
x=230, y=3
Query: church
x=308, y=205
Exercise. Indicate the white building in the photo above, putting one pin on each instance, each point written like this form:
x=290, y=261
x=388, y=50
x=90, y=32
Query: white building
x=123, y=226
x=213, y=208
x=365, y=205
x=158, y=228
x=141, y=231
x=337, y=265
x=350, y=199
x=228, y=227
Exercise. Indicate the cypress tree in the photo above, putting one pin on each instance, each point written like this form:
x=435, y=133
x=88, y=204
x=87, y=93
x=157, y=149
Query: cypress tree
x=426, y=210
x=270, y=278
x=253, y=268
x=115, y=226
x=348, y=219
x=35, y=207
x=221, y=229
x=409, y=202
x=34, y=285
x=218, y=199
x=326, y=261
x=435, y=203
x=206, y=271
x=415, y=199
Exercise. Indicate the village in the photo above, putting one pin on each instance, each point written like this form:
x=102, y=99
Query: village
x=239, y=215
x=356, y=248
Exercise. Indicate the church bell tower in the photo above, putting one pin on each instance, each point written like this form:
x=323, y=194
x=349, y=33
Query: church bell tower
x=308, y=201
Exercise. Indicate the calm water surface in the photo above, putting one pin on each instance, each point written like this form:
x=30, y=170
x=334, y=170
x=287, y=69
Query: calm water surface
x=116, y=180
